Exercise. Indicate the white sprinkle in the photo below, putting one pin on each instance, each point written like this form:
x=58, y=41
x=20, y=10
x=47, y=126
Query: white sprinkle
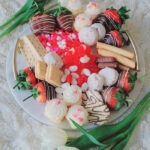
x=48, y=44
x=65, y=85
x=84, y=87
x=75, y=75
x=58, y=38
x=74, y=82
x=73, y=68
x=47, y=48
x=87, y=72
x=63, y=79
x=59, y=90
x=84, y=59
x=84, y=46
x=67, y=72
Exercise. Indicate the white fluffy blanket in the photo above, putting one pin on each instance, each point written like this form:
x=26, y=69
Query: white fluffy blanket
x=18, y=131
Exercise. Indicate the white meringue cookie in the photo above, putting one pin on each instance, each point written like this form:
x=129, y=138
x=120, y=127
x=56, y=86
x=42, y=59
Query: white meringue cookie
x=55, y=110
x=88, y=35
x=75, y=6
x=82, y=21
x=110, y=76
x=78, y=114
x=101, y=30
x=95, y=82
x=92, y=9
x=53, y=58
x=72, y=95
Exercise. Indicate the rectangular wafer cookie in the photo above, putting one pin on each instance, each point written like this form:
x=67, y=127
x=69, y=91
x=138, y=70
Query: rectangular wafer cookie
x=31, y=49
x=53, y=75
x=40, y=70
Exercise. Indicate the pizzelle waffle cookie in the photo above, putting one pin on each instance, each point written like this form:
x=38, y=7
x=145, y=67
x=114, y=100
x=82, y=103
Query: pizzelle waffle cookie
x=40, y=70
x=31, y=49
x=53, y=75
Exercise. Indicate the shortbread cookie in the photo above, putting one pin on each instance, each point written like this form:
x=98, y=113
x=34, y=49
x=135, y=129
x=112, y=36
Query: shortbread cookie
x=53, y=75
x=72, y=95
x=40, y=70
x=32, y=49
x=98, y=112
x=78, y=114
x=55, y=110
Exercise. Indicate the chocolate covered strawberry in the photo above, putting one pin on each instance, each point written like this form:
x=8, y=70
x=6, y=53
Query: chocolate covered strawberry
x=127, y=80
x=65, y=22
x=42, y=24
x=38, y=93
x=115, y=97
x=112, y=19
x=114, y=38
x=25, y=79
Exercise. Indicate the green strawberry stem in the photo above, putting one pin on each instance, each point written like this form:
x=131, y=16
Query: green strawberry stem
x=28, y=97
x=112, y=130
x=17, y=84
x=129, y=100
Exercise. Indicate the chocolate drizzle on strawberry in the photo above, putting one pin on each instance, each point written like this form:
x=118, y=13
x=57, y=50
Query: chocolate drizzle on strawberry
x=42, y=24
x=106, y=21
x=65, y=22
x=112, y=18
x=115, y=38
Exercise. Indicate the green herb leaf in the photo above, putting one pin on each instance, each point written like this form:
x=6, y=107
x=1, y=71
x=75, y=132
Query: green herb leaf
x=89, y=136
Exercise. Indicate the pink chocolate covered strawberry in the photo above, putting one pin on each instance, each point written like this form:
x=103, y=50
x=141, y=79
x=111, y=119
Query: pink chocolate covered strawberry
x=112, y=18
x=42, y=24
x=115, y=97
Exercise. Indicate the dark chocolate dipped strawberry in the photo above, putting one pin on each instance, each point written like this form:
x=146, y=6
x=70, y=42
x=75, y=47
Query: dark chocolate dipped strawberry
x=114, y=38
x=64, y=18
x=127, y=80
x=115, y=97
x=65, y=22
x=112, y=19
x=42, y=24
x=38, y=93
x=25, y=79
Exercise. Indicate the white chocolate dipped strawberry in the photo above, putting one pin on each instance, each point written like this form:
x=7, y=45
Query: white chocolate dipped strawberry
x=78, y=114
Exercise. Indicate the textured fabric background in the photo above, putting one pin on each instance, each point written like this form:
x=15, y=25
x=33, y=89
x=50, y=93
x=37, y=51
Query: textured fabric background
x=18, y=131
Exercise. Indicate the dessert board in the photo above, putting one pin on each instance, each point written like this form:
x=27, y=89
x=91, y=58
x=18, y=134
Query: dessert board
x=36, y=110
x=83, y=73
